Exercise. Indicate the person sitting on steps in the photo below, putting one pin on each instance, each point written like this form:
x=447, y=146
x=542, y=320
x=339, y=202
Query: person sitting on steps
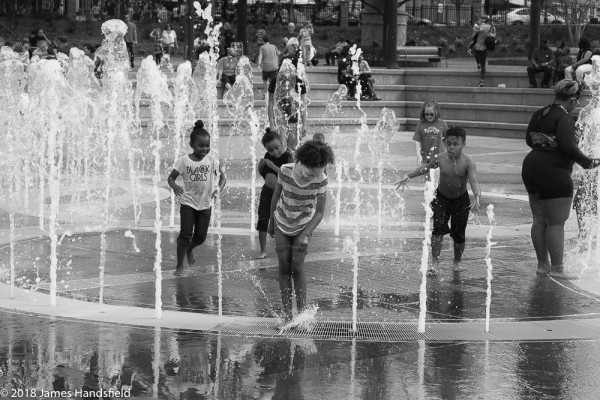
x=542, y=60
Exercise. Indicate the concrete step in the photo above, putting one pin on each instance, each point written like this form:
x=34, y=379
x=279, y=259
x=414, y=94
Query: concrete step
x=418, y=76
x=473, y=128
x=372, y=109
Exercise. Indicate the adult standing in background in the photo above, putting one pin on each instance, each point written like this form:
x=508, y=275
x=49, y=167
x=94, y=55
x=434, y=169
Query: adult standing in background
x=542, y=60
x=547, y=171
x=169, y=38
x=305, y=39
x=485, y=28
x=268, y=62
x=130, y=38
x=291, y=29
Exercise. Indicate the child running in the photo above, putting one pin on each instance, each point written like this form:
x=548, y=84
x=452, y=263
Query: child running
x=268, y=168
x=451, y=201
x=297, y=208
x=199, y=172
x=429, y=133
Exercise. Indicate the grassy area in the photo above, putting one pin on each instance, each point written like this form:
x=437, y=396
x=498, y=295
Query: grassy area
x=513, y=40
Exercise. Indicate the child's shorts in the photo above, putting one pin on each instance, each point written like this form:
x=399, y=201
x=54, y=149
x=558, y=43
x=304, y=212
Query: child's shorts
x=454, y=210
x=285, y=242
x=264, y=208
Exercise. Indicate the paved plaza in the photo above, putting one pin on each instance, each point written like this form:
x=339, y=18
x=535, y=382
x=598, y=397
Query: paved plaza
x=217, y=335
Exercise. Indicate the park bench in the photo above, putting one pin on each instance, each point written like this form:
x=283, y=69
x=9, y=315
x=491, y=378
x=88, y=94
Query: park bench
x=429, y=53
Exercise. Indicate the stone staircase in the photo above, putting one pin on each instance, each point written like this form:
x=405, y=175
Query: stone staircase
x=488, y=111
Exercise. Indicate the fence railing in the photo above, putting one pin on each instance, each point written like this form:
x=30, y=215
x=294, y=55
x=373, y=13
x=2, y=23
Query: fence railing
x=452, y=15
x=449, y=15
x=269, y=13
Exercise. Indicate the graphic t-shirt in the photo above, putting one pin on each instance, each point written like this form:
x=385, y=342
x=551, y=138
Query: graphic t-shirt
x=297, y=204
x=199, y=180
x=430, y=135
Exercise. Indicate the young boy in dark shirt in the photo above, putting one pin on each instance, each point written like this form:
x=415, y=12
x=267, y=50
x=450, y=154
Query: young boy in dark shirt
x=451, y=201
x=268, y=168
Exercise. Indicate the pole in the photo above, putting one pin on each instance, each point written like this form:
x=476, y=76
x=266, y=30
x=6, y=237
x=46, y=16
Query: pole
x=242, y=14
x=190, y=30
x=390, y=16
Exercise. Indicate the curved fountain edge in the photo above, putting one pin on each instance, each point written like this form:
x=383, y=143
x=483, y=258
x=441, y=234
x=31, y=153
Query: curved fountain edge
x=35, y=303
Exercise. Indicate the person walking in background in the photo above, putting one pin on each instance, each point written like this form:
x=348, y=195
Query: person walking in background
x=158, y=49
x=583, y=65
x=335, y=53
x=430, y=131
x=169, y=38
x=291, y=29
x=200, y=171
x=546, y=174
x=542, y=60
x=485, y=28
x=130, y=39
x=297, y=208
x=268, y=62
x=305, y=39
x=226, y=67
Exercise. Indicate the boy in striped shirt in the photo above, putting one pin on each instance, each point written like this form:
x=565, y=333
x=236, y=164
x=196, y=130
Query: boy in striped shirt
x=297, y=208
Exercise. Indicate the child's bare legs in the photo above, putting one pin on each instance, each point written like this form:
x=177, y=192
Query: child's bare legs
x=284, y=255
x=285, y=282
x=556, y=213
x=459, y=249
x=538, y=235
x=298, y=276
x=192, y=221
x=181, y=251
x=262, y=240
x=436, y=250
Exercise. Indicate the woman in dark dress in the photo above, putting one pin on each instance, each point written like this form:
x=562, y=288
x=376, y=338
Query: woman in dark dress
x=547, y=172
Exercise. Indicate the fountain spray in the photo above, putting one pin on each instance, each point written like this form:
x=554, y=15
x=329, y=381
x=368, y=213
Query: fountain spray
x=208, y=88
x=428, y=195
x=184, y=116
x=488, y=262
x=152, y=82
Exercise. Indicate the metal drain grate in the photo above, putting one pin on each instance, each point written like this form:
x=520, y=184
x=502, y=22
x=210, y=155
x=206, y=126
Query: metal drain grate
x=323, y=330
x=398, y=332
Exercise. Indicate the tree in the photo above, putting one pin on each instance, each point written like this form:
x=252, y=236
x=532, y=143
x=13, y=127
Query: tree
x=576, y=14
x=534, y=25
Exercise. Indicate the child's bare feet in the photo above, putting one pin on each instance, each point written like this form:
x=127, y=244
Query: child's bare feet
x=432, y=270
x=543, y=268
x=456, y=266
x=178, y=270
x=263, y=254
x=190, y=257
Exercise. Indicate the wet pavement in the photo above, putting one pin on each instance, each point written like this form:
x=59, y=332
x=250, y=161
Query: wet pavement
x=43, y=352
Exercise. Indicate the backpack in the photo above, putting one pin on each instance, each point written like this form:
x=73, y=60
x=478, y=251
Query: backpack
x=490, y=40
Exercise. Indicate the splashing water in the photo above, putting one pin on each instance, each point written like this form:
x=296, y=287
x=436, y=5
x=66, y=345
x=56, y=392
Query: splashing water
x=183, y=115
x=379, y=145
x=287, y=103
x=130, y=234
x=153, y=83
x=240, y=97
x=488, y=262
x=428, y=195
x=303, y=319
x=334, y=105
x=586, y=254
